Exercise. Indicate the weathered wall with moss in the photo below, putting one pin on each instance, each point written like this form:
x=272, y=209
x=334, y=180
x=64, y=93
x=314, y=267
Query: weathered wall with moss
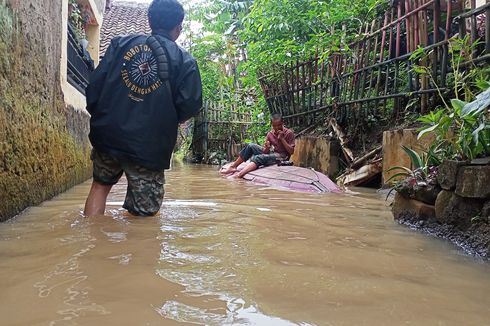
x=43, y=145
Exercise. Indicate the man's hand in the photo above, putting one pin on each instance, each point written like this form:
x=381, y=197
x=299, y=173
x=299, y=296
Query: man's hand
x=280, y=135
x=267, y=147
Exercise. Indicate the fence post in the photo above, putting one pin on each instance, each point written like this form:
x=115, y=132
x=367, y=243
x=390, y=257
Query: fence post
x=205, y=129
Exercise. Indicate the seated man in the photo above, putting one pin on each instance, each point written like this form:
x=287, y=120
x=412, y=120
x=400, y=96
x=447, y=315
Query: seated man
x=279, y=146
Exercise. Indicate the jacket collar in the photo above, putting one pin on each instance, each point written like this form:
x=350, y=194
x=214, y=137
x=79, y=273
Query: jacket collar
x=161, y=32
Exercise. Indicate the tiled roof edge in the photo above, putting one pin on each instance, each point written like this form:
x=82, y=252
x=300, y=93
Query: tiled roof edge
x=125, y=3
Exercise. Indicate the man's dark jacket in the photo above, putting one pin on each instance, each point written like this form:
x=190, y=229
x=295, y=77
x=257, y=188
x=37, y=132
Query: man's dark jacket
x=134, y=113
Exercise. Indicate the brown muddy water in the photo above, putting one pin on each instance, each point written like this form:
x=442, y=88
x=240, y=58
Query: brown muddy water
x=232, y=253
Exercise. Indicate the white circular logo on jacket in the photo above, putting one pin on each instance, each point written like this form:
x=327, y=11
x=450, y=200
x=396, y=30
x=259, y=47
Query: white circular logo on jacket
x=140, y=70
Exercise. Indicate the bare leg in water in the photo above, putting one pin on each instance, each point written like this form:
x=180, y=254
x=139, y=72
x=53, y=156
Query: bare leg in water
x=96, y=200
x=232, y=167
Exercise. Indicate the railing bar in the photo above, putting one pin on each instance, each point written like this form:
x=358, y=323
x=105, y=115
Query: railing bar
x=474, y=11
x=377, y=98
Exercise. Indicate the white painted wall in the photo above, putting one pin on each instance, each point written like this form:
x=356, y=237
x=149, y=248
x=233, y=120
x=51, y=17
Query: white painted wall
x=71, y=95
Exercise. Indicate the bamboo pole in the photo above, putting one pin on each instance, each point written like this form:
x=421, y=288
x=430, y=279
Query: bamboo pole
x=473, y=29
x=408, y=27
x=487, y=30
x=398, y=30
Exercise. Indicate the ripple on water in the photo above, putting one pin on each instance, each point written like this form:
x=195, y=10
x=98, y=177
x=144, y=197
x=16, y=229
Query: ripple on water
x=67, y=280
x=237, y=314
x=171, y=254
x=115, y=237
x=122, y=259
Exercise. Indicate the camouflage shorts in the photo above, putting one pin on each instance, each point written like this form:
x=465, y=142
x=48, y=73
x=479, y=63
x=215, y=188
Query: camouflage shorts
x=145, y=187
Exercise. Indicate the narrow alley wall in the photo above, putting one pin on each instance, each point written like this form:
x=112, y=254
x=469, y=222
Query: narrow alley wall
x=44, y=149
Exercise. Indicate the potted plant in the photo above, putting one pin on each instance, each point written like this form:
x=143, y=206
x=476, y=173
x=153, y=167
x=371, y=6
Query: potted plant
x=76, y=20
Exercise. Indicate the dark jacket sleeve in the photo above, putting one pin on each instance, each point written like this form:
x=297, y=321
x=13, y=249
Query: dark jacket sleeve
x=98, y=77
x=188, y=95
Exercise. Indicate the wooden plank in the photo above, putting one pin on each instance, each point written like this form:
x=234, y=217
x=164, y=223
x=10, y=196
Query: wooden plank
x=342, y=138
x=362, y=175
x=368, y=156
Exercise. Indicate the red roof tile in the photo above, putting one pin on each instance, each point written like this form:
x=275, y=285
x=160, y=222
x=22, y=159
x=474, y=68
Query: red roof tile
x=123, y=18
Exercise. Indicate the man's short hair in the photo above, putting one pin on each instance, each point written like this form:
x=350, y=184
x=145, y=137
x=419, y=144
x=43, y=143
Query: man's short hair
x=276, y=116
x=165, y=14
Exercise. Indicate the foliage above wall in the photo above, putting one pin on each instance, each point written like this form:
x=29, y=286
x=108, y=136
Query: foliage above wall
x=279, y=31
x=76, y=19
x=240, y=38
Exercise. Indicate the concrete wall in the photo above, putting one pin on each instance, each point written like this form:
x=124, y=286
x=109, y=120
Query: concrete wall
x=319, y=153
x=43, y=144
x=393, y=154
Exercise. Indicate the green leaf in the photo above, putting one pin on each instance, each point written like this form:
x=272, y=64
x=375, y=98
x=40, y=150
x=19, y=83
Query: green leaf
x=426, y=130
x=401, y=174
x=406, y=170
x=457, y=104
x=419, y=69
x=482, y=84
x=417, y=54
x=426, y=119
x=414, y=157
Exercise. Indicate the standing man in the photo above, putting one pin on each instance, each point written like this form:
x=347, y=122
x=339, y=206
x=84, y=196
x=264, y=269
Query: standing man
x=142, y=89
x=279, y=146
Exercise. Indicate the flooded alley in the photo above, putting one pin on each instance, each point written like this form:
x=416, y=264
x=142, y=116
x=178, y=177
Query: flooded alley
x=232, y=253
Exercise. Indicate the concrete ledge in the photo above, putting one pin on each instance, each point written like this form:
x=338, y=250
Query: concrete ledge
x=319, y=153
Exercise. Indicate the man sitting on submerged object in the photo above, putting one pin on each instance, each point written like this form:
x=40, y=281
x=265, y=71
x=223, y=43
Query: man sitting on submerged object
x=279, y=146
